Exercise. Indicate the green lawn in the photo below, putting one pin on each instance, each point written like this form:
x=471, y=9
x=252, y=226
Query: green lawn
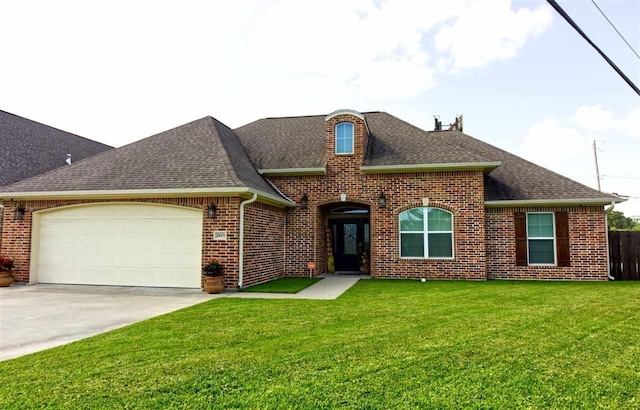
x=384, y=344
x=283, y=285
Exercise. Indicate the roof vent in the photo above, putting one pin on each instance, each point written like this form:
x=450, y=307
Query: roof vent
x=68, y=160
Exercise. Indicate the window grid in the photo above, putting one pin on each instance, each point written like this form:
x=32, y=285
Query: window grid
x=344, y=138
x=425, y=234
x=542, y=238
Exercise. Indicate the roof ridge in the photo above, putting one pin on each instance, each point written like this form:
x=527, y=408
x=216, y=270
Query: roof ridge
x=432, y=133
x=227, y=161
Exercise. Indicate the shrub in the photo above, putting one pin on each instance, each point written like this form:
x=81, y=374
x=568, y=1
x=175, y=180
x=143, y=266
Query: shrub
x=6, y=264
x=213, y=268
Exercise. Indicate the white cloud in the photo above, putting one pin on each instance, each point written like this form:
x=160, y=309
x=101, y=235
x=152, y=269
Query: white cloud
x=596, y=118
x=490, y=30
x=550, y=145
x=121, y=70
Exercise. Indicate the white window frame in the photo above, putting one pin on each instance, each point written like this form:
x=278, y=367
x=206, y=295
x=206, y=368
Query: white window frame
x=553, y=238
x=353, y=138
x=425, y=234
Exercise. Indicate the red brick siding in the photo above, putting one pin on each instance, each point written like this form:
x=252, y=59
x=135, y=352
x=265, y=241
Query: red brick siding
x=587, y=241
x=16, y=235
x=459, y=192
x=264, y=235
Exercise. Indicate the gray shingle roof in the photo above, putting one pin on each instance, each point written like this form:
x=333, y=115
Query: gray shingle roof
x=291, y=142
x=201, y=154
x=28, y=148
x=207, y=154
x=298, y=142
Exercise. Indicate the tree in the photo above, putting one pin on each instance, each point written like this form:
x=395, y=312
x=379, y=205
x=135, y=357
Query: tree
x=618, y=222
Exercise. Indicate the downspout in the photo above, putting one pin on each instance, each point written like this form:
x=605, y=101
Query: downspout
x=606, y=223
x=241, y=240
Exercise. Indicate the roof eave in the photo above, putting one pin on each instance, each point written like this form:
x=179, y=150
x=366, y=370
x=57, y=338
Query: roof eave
x=293, y=171
x=145, y=193
x=486, y=167
x=510, y=203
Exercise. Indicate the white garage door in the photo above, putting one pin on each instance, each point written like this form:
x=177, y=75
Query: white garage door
x=119, y=244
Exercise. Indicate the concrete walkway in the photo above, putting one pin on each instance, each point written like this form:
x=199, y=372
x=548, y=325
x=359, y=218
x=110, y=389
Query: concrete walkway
x=329, y=288
x=34, y=318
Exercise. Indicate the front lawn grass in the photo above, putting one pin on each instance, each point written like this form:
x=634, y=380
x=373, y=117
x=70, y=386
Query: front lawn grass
x=384, y=344
x=283, y=285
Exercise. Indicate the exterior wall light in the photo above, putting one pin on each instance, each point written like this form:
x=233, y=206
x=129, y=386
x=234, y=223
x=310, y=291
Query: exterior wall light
x=211, y=211
x=382, y=200
x=304, y=202
x=19, y=213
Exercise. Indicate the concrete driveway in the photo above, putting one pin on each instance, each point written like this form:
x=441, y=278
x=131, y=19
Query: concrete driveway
x=38, y=317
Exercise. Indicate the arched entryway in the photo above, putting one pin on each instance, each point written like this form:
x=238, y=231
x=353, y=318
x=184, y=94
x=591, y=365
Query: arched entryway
x=348, y=238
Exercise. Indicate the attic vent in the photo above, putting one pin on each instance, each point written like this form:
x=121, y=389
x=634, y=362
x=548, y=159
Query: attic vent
x=68, y=160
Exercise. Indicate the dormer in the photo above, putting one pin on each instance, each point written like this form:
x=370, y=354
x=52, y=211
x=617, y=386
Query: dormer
x=346, y=137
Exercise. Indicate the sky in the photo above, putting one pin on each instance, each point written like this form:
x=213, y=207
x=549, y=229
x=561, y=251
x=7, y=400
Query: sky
x=525, y=81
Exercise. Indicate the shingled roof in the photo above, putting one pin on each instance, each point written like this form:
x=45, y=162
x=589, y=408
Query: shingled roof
x=208, y=154
x=28, y=148
x=201, y=154
x=298, y=142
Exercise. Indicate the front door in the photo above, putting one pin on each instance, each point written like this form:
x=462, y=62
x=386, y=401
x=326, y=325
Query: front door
x=350, y=240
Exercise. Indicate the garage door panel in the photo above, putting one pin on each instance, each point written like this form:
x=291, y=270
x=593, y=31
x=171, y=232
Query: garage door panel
x=121, y=244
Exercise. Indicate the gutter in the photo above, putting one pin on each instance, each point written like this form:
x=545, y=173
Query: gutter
x=292, y=171
x=448, y=166
x=145, y=193
x=241, y=240
x=606, y=223
x=552, y=202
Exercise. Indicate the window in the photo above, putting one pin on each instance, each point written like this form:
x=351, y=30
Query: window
x=426, y=237
x=541, y=238
x=344, y=138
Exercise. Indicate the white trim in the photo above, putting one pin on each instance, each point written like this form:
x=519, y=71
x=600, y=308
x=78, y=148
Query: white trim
x=292, y=171
x=353, y=138
x=344, y=112
x=143, y=193
x=425, y=234
x=540, y=202
x=543, y=238
x=445, y=166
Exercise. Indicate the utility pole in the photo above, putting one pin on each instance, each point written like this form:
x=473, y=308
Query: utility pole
x=595, y=156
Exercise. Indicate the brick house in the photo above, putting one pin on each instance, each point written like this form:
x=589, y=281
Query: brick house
x=270, y=197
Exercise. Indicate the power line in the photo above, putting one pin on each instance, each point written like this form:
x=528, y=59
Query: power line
x=619, y=176
x=560, y=11
x=614, y=27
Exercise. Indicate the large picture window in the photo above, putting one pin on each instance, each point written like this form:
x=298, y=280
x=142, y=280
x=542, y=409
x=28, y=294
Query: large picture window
x=541, y=238
x=344, y=138
x=426, y=233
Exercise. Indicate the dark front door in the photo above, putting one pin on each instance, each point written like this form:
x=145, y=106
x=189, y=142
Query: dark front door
x=350, y=239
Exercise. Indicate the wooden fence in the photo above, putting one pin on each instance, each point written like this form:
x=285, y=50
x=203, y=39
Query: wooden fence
x=624, y=255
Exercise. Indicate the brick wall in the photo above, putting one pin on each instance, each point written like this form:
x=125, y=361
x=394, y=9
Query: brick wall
x=16, y=235
x=461, y=192
x=587, y=243
x=264, y=234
